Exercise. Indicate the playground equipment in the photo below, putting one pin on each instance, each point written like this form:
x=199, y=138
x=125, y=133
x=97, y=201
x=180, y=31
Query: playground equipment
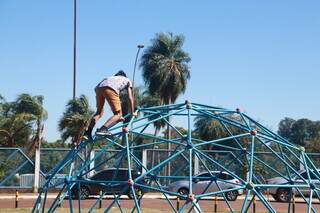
x=246, y=139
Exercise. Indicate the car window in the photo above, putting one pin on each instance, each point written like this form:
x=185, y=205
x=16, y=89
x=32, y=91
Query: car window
x=304, y=175
x=313, y=176
x=103, y=175
x=203, y=177
x=114, y=174
x=224, y=176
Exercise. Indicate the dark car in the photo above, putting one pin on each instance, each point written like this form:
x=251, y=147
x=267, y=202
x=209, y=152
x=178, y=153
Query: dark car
x=109, y=181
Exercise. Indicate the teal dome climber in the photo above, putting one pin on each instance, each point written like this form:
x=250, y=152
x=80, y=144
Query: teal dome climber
x=241, y=157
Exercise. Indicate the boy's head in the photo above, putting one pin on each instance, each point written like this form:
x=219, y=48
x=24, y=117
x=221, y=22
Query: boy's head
x=121, y=73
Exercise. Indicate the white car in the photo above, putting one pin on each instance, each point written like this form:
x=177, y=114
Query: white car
x=205, y=183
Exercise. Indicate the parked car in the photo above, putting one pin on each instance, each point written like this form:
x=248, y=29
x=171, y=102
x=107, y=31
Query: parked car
x=112, y=174
x=203, y=183
x=282, y=194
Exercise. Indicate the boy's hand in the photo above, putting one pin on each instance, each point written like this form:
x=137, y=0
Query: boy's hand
x=135, y=114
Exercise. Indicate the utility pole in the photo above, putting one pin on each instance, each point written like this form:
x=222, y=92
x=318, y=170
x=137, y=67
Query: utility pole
x=139, y=46
x=74, y=47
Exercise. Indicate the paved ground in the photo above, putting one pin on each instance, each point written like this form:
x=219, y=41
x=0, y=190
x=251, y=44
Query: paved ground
x=152, y=201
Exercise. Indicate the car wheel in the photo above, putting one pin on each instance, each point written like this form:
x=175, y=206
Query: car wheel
x=283, y=195
x=231, y=195
x=84, y=192
x=275, y=197
x=139, y=193
x=183, y=192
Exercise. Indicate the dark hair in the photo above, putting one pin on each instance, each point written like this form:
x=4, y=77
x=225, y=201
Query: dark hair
x=121, y=73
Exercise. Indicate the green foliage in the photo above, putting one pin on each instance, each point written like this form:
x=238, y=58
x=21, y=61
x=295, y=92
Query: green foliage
x=207, y=129
x=285, y=127
x=138, y=96
x=75, y=119
x=303, y=132
x=55, y=144
x=20, y=119
x=149, y=100
x=165, y=67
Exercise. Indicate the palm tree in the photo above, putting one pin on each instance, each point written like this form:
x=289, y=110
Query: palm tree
x=208, y=129
x=32, y=105
x=18, y=118
x=165, y=67
x=75, y=119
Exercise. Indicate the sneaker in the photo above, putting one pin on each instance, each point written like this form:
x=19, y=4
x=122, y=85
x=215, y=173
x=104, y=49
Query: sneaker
x=103, y=131
x=87, y=135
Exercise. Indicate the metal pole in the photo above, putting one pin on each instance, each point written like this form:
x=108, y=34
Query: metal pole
x=140, y=46
x=37, y=169
x=74, y=46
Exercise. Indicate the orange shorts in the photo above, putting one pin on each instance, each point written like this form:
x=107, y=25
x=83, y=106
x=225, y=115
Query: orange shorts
x=112, y=97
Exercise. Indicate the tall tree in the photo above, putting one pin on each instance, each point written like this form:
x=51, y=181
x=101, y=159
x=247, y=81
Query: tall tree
x=299, y=131
x=285, y=126
x=208, y=129
x=302, y=130
x=33, y=105
x=165, y=67
x=75, y=119
x=20, y=119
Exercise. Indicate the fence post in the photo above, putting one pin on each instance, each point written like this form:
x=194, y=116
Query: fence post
x=100, y=201
x=178, y=203
x=91, y=166
x=293, y=202
x=215, y=203
x=301, y=165
x=196, y=164
x=36, y=169
x=17, y=199
x=144, y=160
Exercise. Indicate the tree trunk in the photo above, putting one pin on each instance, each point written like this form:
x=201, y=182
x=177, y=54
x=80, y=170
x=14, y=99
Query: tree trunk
x=169, y=144
x=36, y=140
x=156, y=131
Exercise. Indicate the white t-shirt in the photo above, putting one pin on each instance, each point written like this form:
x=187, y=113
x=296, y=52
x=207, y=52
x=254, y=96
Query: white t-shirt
x=117, y=83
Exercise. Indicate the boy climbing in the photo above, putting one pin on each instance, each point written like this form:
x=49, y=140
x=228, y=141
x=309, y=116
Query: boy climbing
x=109, y=89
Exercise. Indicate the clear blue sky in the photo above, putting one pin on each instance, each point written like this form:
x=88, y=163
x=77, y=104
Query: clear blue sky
x=262, y=56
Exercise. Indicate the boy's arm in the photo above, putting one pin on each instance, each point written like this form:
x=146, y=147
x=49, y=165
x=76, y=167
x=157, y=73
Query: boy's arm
x=131, y=101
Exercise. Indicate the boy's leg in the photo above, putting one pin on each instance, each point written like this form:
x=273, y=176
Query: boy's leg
x=115, y=105
x=99, y=111
x=113, y=119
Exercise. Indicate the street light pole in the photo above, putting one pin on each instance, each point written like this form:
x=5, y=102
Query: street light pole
x=74, y=46
x=140, y=46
